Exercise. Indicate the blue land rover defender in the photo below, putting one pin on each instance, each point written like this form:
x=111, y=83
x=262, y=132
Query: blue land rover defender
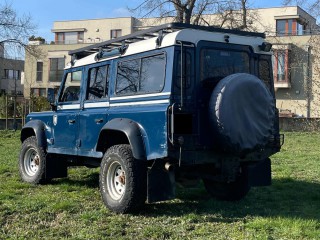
x=171, y=104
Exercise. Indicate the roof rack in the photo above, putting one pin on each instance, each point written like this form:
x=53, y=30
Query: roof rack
x=157, y=31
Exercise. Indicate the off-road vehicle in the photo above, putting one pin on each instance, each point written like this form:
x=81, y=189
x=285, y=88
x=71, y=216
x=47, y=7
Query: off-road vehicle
x=171, y=104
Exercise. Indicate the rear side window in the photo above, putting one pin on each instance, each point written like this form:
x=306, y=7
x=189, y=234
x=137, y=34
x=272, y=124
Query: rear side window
x=143, y=75
x=265, y=72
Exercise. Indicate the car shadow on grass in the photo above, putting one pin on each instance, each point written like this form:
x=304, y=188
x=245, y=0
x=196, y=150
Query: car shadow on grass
x=90, y=180
x=285, y=198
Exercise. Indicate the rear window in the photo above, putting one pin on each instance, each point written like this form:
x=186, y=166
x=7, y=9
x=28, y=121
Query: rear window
x=217, y=64
x=142, y=75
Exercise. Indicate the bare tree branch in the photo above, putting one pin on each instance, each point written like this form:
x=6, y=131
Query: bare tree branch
x=14, y=30
x=232, y=13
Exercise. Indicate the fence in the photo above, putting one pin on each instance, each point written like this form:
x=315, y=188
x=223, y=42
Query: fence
x=9, y=123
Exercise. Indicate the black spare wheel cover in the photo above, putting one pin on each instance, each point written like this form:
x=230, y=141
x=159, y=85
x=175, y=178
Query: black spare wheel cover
x=242, y=113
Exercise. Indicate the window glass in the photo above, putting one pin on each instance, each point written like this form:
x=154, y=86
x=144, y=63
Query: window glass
x=60, y=38
x=152, y=74
x=217, y=64
x=128, y=77
x=290, y=25
x=71, y=89
x=144, y=75
x=281, y=27
x=39, y=71
x=98, y=83
x=114, y=33
x=264, y=72
x=71, y=37
x=281, y=66
x=12, y=74
x=56, y=69
x=187, y=70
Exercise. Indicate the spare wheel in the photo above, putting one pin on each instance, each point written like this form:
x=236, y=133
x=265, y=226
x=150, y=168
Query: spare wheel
x=242, y=113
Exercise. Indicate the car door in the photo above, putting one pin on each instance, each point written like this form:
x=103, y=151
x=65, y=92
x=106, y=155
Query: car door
x=93, y=114
x=66, y=118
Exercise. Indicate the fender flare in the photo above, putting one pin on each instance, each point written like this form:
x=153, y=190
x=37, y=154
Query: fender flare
x=132, y=131
x=35, y=128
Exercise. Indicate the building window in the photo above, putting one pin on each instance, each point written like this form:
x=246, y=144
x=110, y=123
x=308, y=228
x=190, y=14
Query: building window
x=12, y=74
x=115, y=33
x=60, y=38
x=56, y=69
x=39, y=71
x=287, y=27
x=69, y=37
x=280, y=61
x=36, y=92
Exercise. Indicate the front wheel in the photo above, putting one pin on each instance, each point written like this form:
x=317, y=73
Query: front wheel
x=32, y=161
x=123, y=180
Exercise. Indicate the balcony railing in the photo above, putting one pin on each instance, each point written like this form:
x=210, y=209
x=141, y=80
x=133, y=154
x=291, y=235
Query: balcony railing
x=80, y=41
x=297, y=33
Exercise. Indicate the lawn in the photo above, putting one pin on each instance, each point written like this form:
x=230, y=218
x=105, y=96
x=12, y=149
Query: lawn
x=71, y=208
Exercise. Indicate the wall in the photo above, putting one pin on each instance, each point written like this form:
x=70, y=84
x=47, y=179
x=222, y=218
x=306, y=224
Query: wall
x=302, y=97
x=9, y=84
x=96, y=28
x=299, y=124
x=47, y=51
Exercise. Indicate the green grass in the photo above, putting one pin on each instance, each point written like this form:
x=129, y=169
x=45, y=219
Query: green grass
x=71, y=208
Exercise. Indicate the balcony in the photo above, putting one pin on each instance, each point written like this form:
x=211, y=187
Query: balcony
x=282, y=84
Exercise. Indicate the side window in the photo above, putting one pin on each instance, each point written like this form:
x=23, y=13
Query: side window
x=264, y=72
x=97, y=83
x=71, y=89
x=128, y=77
x=187, y=67
x=145, y=75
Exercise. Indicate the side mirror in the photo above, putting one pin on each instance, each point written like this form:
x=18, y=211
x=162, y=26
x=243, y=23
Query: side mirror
x=51, y=99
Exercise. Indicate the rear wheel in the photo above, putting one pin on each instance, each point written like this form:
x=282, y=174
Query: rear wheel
x=123, y=180
x=32, y=161
x=228, y=191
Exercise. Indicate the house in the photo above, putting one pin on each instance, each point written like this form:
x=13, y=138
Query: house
x=11, y=74
x=292, y=31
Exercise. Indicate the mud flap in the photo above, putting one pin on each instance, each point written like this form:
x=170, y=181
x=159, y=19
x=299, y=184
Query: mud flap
x=56, y=167
x=259, y=174
x=161, y=183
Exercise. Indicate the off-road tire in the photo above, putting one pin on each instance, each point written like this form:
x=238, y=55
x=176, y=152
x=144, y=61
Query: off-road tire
x=228, y=191
x=32, y=161
x=123, y=180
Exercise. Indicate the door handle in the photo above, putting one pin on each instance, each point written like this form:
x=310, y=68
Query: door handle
x=71, y=121
x=99, y=120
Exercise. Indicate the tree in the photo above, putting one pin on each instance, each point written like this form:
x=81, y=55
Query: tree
x=229, y=13
x=14, y=30
x=312, y=6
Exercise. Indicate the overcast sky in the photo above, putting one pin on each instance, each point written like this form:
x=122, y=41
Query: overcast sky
x=45, y=12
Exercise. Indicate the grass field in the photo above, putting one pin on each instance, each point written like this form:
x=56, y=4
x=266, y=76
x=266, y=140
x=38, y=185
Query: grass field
x=71, y=208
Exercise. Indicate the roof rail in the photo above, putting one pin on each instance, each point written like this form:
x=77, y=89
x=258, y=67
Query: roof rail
x=157, y=31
